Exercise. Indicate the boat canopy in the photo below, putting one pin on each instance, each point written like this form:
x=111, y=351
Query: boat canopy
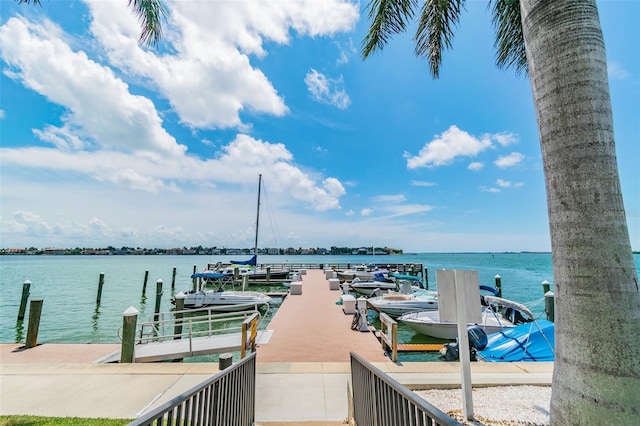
x=533, y=341
x=252, y=261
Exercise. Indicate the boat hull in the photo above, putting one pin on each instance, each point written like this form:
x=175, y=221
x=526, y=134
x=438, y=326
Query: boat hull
x=225, y=301
x=429, y=324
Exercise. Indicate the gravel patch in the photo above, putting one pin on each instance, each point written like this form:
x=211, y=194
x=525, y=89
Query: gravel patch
x=499, y=405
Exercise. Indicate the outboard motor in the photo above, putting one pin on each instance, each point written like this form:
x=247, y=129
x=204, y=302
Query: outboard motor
x=477, y=338
x=477, y=341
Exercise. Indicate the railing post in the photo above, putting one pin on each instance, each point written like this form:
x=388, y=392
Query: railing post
x=129, y=321
x=35, y=309
x=26, y=286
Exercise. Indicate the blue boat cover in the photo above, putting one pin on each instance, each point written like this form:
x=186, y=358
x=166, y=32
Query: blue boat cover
x=524, y=342
x=252, y=261
x=209, y=274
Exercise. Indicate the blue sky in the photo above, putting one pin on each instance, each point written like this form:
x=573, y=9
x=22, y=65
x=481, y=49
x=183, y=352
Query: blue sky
x=104, y=142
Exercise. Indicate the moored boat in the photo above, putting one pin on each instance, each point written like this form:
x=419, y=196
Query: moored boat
x=497, y=314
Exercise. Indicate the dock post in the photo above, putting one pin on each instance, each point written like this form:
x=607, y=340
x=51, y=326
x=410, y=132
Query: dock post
x=129, y=322
x=225, y=360
x=426, y=278
x=177, y=331
x=144, y=285
x=26, y=286
x=194, y=281
x=35, y=309
x=173, y=279
x=245, y=282
x=548, y=305
x=499, y=285
x=268, y=273
x=100, y=284
x=546, y=287
x=158, y=299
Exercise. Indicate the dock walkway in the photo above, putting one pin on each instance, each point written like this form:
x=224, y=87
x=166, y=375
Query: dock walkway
x=311, y=327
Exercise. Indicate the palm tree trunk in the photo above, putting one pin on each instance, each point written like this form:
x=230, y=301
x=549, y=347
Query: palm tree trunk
x=597, y=333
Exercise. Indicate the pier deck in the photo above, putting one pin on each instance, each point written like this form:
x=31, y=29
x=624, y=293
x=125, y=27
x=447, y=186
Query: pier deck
x=311, y=327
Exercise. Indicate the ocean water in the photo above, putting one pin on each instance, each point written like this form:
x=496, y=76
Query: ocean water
x=68, y=286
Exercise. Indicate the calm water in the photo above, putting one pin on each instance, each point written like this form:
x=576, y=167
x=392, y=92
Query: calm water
x=69, y=285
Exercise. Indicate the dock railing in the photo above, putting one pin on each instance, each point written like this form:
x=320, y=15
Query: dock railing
x=196, y=323
x=380, y=400
x=225, y=399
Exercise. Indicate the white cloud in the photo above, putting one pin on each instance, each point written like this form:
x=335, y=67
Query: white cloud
x=422, y=183
x=326, y=90
x=395, y=198
x=101, y=110
x=485, y=189
x=475, y=165
x=366, y=212
x=510, y=160
x=616, y=72
x=505, y=139
x=446, y=147
x=2, y=114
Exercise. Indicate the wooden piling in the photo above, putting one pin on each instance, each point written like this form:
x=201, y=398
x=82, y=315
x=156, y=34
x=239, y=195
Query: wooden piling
x=100, y=284
x=177, y=330
x=129, y=323
x=173, y=279
x=245, y=282
x=549, y=306
x=26, y=286
x=158, y=299
x=194, y=281
x=499, y=285
x=546, y=287
x=144, y=285
x=225, y=360
x=35, y=310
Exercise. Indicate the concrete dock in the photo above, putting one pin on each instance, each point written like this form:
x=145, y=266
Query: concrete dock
x=302, y=372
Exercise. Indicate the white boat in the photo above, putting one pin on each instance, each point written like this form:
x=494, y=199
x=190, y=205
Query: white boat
x=225, y=300
x=493, y=319
x=360, y=272
x=367, y=287
x=220, y=299
x=396, y=304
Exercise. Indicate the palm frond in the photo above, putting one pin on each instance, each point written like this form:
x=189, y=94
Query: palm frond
x=150, y=14
x=388, y=17
x=510, y=47
x=438, y=19
x=38, y=2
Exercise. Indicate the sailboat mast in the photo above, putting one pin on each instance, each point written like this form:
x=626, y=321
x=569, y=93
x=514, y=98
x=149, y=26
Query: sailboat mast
x=255, y=246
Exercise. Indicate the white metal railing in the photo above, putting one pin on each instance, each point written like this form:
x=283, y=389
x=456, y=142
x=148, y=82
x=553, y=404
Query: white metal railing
x=198, y=323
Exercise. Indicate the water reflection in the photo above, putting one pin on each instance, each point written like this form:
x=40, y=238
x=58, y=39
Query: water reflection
x=19, y=331
x=95, y=317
